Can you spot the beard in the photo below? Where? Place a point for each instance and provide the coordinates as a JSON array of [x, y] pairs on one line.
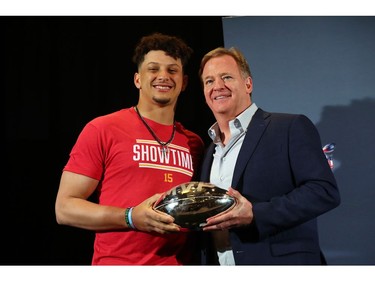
[[162, 101]]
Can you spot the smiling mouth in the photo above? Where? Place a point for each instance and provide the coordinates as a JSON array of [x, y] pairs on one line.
[[221, 97], [163, 87]]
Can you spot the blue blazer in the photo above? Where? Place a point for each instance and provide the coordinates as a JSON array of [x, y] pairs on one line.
[[282, 170]]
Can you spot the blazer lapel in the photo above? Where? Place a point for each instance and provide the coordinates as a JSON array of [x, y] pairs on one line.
[[255, 130], [207, 162]]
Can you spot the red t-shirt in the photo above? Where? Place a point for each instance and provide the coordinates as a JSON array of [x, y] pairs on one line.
[[119, 151]]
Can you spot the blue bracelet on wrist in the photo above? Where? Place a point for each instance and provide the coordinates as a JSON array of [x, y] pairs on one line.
[[130, 218]]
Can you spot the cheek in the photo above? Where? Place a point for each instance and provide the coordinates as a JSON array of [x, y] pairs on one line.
[[207, 95], [209, 101]]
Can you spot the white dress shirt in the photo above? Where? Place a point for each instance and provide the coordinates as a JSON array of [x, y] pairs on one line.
[[222, 169]]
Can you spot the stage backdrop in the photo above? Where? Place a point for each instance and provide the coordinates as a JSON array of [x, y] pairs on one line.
[[323, 67], [61, 72]]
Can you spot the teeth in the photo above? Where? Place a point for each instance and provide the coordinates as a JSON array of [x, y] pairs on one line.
[[220, 97], [162, 87]]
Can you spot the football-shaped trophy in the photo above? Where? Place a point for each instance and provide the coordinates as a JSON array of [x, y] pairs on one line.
[[193, 202]]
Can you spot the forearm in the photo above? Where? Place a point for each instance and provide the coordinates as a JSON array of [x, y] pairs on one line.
[[88, 215]]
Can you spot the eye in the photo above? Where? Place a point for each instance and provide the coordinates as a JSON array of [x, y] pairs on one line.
[[226, 78], [208, 82], [173, 70]]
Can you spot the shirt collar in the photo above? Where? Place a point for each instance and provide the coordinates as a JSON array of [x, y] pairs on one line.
[[240, 123]]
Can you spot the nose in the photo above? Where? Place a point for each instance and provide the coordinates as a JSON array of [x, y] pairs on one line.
[[163, 75], [218, 84]]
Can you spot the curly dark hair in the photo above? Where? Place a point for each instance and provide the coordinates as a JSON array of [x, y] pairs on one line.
[[171, 45]]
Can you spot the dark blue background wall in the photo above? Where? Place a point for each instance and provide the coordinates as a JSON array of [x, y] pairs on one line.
[[323, 67]]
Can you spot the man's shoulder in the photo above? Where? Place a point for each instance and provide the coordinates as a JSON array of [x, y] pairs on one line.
[[119, 114], [282, 115], [118, 118]]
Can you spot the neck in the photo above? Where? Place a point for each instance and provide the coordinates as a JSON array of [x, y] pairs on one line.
[[224, 136], [163, 144], [223, 125], [161, 114]]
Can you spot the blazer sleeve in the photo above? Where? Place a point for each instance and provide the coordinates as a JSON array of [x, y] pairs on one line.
[[310, 186]]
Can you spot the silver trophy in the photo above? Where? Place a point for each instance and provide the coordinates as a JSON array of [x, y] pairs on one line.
[[192, 203]]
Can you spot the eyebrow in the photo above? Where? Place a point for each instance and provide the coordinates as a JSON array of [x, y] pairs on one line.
[[171, 64], [220, 74]]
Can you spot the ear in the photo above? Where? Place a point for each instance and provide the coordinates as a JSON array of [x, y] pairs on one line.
[[184, 82], [137, 80], [249, 85]]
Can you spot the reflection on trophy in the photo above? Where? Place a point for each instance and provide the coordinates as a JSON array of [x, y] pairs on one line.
[[328, 151], [191, 203]]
